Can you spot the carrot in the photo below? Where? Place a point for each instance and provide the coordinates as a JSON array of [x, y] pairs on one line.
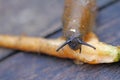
[[78, 20], [104, 53]]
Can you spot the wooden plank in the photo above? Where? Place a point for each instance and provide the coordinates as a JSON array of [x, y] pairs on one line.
[[103, 3], [108, 25], [24, 66], [4, 53], [31, 17], [41, 67]]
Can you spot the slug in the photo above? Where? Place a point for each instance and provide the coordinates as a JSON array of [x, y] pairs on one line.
[[78, 20]]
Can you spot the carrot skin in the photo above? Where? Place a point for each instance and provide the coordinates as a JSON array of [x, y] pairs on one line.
[[104, 53]]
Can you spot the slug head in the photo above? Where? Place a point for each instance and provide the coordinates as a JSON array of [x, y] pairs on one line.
[[75, 43]]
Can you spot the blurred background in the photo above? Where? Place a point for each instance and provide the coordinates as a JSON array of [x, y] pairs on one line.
[[34, 17], [30, 17]]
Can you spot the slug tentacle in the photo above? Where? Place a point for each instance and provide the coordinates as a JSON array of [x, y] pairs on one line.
[[84, 43], [63, 45], [75, 43]]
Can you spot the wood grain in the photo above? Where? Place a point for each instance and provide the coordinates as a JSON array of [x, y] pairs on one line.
[[41, 67], [33, 17], [108, 24], [26, 66]]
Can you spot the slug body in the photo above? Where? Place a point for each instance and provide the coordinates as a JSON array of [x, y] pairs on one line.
[[78, 20]]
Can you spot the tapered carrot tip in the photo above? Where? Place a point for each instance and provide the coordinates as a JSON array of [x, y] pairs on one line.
[[103, 53]]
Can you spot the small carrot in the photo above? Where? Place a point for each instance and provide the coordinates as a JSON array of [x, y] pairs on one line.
[[104, 53]]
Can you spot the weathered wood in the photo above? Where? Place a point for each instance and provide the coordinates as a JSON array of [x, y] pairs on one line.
[[41, 67], [4, 53], [31, 17], [102, 3], [23, 66], [108, 24]]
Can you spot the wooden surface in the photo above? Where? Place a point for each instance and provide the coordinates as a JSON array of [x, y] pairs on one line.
[[33, 18]]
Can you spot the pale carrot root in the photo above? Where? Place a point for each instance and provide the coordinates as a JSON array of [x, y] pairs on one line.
[[103, 54], [39, 45]]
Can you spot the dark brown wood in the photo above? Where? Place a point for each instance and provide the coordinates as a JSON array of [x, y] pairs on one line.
[[26, 66]]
